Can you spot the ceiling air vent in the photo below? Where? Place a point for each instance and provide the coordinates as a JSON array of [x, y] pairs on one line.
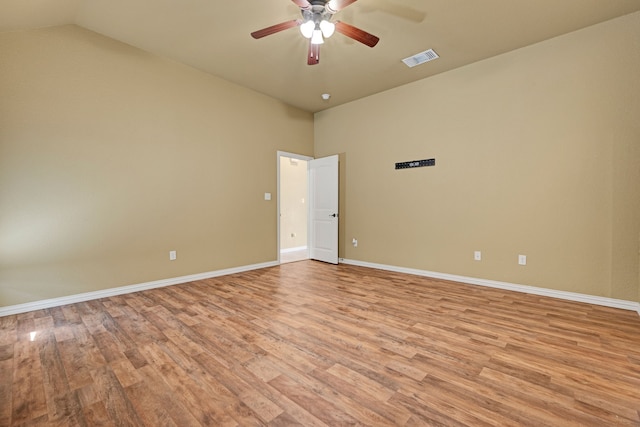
[[420, 58]]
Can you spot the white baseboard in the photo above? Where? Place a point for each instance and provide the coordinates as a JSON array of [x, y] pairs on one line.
[[296, 249], [55, 302], [571, 296]]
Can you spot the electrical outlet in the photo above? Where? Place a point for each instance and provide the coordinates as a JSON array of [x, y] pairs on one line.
[[522, 259], [354, 242], [477, 255], [173, 255]]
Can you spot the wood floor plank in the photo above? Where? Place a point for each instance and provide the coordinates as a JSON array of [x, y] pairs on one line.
[[434, 413], [237, 407], [455, 406], [61, 404], [318, 345], [312, 401], [79, 356], [206, 407], [362, 383], [8, 330], [292, 413], [96, 415], [6, 398], [366, 407], [114, 398], [28, 400], [150, 405]]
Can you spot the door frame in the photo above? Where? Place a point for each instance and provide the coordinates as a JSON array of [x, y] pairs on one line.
[[279, 155]]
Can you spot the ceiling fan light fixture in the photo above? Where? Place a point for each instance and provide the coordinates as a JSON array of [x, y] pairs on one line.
[[316, 26], [316, 38], [307, 29], [327, 28]]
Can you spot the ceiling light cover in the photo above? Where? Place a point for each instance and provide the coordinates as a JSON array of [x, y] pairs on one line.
[[316, 38], [307, 29], [327, 28]]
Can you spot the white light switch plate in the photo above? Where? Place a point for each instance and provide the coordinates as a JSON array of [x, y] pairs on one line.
[[267, 196]]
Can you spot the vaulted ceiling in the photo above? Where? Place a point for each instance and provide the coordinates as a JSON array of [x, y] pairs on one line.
[[213, 36]]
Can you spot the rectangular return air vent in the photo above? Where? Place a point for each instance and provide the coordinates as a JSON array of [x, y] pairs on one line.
[[421, 58]]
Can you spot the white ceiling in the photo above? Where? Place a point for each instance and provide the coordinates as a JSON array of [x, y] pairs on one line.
[[213, 36]]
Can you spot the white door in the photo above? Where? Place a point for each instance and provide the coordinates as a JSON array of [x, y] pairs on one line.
[[323, 209]]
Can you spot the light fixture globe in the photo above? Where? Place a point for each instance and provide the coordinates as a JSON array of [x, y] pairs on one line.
[[316, 38], [307, 29], [327, 28]]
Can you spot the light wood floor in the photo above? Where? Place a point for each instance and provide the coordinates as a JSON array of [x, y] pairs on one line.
[[314, 344]]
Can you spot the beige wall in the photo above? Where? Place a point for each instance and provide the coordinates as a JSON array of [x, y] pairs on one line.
[[111, 157], [538, 153], [293, 203]]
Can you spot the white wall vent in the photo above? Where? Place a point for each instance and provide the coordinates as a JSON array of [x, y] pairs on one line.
[[420, 58]]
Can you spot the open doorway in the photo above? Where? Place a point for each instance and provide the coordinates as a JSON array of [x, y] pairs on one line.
[[293, 210]]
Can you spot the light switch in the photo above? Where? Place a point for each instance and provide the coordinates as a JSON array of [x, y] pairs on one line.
[[267, 196]]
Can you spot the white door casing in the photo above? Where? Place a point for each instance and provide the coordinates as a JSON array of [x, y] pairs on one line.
[[279, 201], [323, 209]]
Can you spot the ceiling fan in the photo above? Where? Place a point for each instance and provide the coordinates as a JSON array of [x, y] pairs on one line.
[[316, 25]]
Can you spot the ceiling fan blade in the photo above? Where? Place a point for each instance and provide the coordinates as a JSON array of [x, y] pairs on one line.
[[357, 34], [302, 4], [275, 28], [334, 6], [313, 57]]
